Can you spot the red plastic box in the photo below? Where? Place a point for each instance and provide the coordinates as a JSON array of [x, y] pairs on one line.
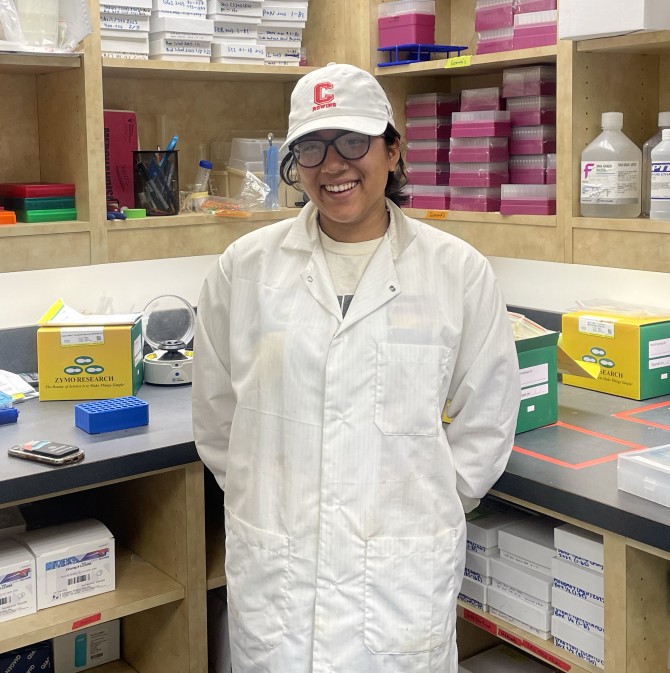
[[431, 105], [406, 29], [428, 174], [476, 124], [478, 199], [428, 128], [478, 149], [422, 151], [478, 174], [533, 140]]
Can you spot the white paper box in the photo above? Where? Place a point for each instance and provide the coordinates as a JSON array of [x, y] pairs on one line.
[[577, 581], [579, 612], [124, 22], [247, 32], [235, 50], [482, 529], [520, 613], [88, 647], [502, 659], [185, 8], [289, 37], [72, 561], [180, 48], [581, 643], [579, 546], [473, 593], [111, 44], [478, 567], [579, 20], [239, 8], [182, 25], [17, 581], [137, 4], [530, 543], [530, 583]]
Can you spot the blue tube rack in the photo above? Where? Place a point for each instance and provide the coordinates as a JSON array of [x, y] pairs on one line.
[[108, 415], [415, 53]]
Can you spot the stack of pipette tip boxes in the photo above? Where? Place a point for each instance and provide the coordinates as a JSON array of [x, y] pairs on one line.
[[39, 201]]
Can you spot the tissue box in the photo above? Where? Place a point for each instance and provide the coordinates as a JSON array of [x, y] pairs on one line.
[[633, 352]]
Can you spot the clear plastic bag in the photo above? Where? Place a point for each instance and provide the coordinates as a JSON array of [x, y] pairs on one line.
[[616, 307], [252, 197]]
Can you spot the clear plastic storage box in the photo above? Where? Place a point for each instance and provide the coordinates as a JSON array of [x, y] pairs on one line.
[[406, 22], [646, 473], [430, 197], [491, 14], [473, 100], [428, 128], [551, 169], [533, 139], [535, 29], [532, 110], [528, 199], [528, 169], [534, 80], [479, 199], [431, 104], [475, 124], [478, 149], [493, 41], [478, 174], [525, 6], [428, 174], [421, 151]]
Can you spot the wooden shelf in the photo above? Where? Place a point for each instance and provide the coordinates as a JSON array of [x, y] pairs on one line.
[[635, 43], [544, 650], [479, 65], [32, 63], [488, 218], [174, 70], [41, 228], [139, 586], [118, 666], [636, 224]]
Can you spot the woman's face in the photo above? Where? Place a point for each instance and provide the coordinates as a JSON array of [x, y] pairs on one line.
[[349, 193]]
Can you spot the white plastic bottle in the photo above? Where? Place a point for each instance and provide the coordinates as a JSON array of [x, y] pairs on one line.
[[660, 179], [663, 123], [610, 177]]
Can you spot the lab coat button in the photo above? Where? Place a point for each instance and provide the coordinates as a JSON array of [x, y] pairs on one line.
[[309, 279], [392, 288]]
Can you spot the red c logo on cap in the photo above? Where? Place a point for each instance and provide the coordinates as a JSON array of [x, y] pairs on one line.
[[321, 97]]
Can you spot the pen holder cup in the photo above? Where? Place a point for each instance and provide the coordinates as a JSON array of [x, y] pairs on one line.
[[156, 181]]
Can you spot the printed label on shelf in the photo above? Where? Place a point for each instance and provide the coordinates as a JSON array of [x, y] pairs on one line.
[[85, 621], [458, 61], [436, 214]]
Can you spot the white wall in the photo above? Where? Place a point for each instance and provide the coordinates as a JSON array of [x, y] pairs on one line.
[[129, 286]]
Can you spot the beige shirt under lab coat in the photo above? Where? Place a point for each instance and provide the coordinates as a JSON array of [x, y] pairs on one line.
[[344, 492]]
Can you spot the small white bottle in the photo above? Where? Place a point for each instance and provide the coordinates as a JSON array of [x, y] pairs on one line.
[[660, 179], [610, 177], [663, 123]]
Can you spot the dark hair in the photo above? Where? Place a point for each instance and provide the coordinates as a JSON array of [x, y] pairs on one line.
[[395, 183]]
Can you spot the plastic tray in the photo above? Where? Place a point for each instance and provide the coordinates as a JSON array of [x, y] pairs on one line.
[[43, 203], [109, 415], [23, 190], [413, 53], [646, 473], [54, 215]]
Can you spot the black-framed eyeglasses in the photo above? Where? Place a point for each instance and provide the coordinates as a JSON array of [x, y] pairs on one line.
[[349, 145]]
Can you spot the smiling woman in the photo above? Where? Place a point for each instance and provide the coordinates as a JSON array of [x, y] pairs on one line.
[[326, 348]]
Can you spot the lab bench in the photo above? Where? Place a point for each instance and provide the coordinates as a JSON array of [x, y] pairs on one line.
[[148, 486]]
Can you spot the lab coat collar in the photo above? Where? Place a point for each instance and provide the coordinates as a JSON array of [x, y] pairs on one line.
[[304, 233]]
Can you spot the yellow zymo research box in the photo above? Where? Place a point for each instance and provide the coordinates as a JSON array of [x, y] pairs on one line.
[[633, 352], [88, 357]]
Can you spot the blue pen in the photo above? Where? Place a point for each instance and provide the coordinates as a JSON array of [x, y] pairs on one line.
[[171, 145]]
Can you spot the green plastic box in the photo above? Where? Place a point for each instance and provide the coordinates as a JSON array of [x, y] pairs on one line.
[[54, 215]]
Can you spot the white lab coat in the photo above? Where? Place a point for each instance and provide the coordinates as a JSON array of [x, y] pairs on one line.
[[345, 533]]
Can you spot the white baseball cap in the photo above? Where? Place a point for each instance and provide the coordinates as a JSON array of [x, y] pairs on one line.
[[338, 96]]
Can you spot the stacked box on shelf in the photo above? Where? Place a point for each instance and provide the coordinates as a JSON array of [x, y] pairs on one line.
[[494, 25], [482, 527], [522, 576], [578, 624], [284, 16], [428, 132], [124, 28], [404, 22], [39, 201], [480, 131], [530, 98], [180, 38], [535, 29]]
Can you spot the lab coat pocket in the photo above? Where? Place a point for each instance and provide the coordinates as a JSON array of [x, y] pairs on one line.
[[257, 570], [407, 388], [410, 593]]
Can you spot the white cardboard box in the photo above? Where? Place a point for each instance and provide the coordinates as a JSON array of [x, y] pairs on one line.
[[17, 581], [578, 611], [579, 546], [502, 659], [478, 567], [524, 583], [72, 561], [519, 612], [529, 543], [474, 593], [88, 647], [581, 643], [579, 20], [578, 581], [482, 526]]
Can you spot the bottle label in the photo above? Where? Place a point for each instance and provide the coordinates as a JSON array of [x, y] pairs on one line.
[[660, 182], [610, 182]]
